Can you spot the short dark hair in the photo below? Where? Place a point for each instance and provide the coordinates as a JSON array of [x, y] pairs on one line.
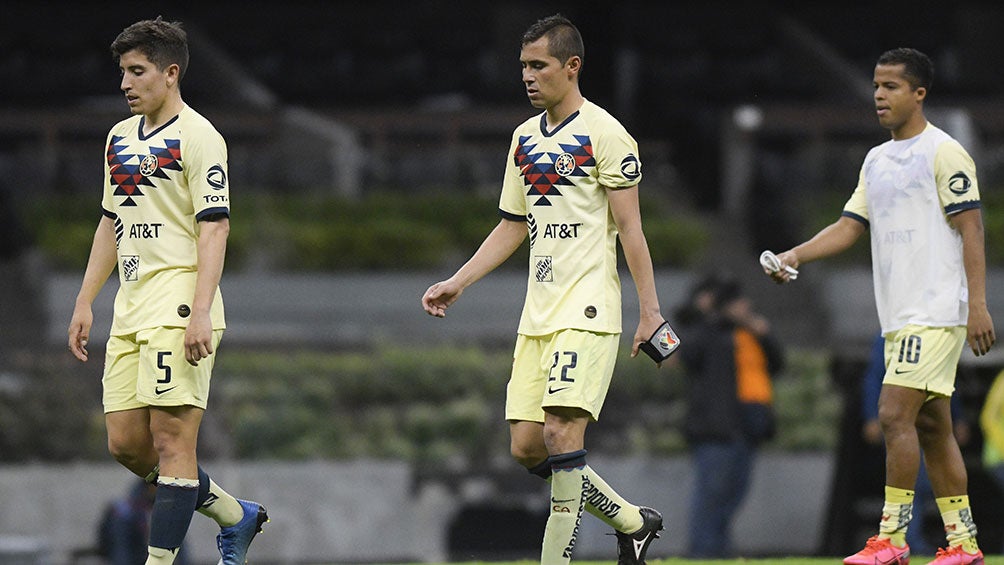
[[917, 67], [163, 43], [563, 39]]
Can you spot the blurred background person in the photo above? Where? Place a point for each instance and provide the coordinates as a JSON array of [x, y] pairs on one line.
[[729, 358], [700, 302], [992, 425], [124, 531]]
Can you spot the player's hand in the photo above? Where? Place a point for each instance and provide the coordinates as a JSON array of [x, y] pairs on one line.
[[441, 296], [79, 331], [782, 276], [980, 330], [198, 338], [646, 327]]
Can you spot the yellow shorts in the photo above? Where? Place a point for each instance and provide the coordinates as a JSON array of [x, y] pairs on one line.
[[148, 368], [924, 358], [569, 368]]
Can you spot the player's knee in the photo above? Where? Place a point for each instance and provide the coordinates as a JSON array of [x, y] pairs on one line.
[[526, 455], [169, 444], [894, 418], [125, 451], [931, 430], [117, 450], [522, 457]]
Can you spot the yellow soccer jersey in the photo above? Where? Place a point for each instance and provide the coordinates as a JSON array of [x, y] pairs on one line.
[[555, 181], [157, 187], [906, 191]]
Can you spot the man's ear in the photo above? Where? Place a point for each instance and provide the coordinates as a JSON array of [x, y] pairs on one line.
[[574, 65], [173, 73]]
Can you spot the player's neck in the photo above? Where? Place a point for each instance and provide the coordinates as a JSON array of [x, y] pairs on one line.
[[912, 128], [569, 105], [165, 113]]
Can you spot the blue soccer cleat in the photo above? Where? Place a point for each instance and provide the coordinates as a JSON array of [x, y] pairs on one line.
[[233, 541]]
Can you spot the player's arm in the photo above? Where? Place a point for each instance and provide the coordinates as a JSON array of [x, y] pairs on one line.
[[831, 240], [980, 329], [100, 265], [627, 215], [212, 248], [500, 244]]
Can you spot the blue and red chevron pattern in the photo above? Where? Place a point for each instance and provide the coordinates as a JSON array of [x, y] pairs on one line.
[[543, 172], [129, 171]]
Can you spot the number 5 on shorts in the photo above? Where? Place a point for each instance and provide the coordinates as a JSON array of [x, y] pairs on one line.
[[164, 366]]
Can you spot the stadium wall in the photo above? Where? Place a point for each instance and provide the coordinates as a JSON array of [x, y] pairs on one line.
[[373, 511]]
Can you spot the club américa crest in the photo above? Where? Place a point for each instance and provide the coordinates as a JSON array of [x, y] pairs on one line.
[[564, 165], [148, 166]]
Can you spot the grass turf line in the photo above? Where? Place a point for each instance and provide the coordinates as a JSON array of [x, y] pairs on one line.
[[919, 559]]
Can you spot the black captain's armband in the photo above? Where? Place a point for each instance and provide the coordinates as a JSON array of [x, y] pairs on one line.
[[662, 344]]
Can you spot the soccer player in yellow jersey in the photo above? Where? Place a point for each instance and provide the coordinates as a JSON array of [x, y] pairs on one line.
[[165, 225], [571, 183], [917, 193]]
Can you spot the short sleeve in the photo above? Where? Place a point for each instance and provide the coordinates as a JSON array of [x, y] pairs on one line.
[[512, 202], [207, 174], [107, 204], [617, 161], [857, 205], [955, 176]]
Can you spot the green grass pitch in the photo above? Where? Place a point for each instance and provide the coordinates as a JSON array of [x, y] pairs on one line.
[[918, 559]]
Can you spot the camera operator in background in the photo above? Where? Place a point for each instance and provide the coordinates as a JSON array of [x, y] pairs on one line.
[[729, 361]]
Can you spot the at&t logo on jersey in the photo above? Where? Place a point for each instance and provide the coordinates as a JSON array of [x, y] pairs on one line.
[[145, 231], [562, 231]]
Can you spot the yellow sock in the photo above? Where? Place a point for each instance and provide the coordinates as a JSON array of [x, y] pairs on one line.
[[610, 507], [896, 515], [161, 556], [562, 526], [603, 502], [221, 506], [960, 529], [568, 487]]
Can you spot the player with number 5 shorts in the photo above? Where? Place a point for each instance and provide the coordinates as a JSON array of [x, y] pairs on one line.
[[164, 226]]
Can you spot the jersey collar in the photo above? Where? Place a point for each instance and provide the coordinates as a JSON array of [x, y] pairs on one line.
[[142, 120], [543, 123]]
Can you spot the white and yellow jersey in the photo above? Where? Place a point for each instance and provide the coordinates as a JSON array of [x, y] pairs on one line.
[[906, 192], [556, 181], [157, 188]]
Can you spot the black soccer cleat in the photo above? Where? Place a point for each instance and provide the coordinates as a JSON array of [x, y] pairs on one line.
[[631, 548]]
